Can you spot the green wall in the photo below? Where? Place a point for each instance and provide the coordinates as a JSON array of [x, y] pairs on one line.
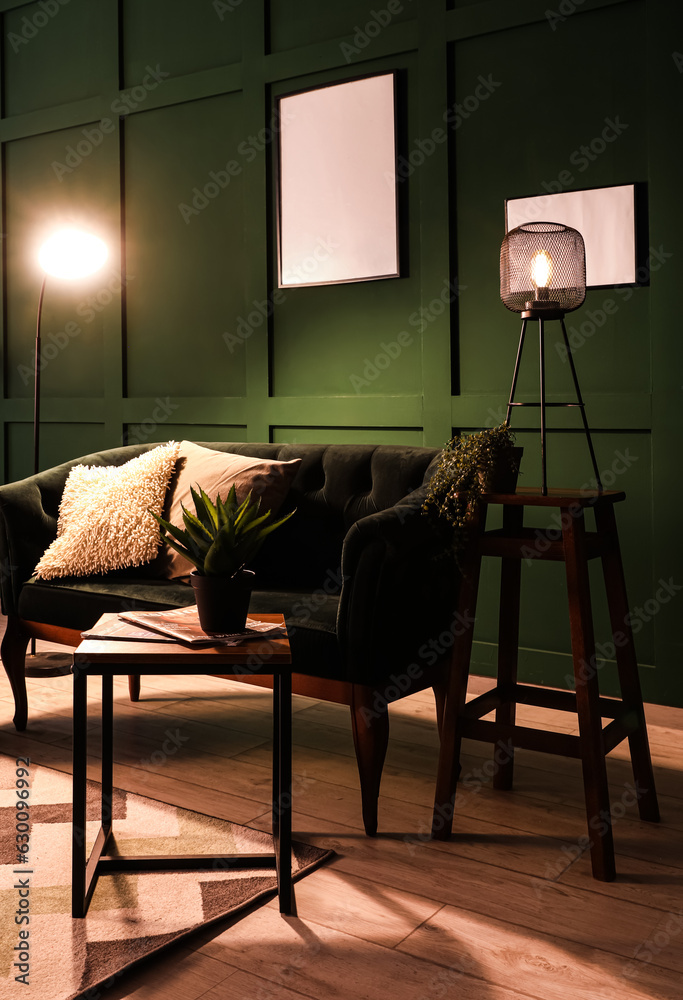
[[117, 114]]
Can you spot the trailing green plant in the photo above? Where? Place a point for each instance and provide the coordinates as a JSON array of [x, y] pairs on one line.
[[222, 537], [465, 471]]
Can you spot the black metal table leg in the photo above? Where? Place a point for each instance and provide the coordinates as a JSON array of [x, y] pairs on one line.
[[276, 762], [80, 765], [107, 752], [282, 788]]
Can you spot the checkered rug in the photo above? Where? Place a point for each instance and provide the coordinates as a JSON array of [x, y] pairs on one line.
[[44, 954]]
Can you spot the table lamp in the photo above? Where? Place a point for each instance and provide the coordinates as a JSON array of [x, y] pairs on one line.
[[67, 254], [542, 277]]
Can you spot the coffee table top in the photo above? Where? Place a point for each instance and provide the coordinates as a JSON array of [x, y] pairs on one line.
[[258, 655]]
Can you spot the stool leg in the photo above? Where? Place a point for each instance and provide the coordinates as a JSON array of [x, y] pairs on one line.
[[627, 664], [508, 643], [449, 753], [587, 696], [440, 689]]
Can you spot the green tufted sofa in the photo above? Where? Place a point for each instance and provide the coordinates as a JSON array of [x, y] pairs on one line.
[[360, 574]]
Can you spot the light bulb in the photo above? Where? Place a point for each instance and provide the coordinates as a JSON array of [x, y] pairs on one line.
[[541, 270], [72, 253]]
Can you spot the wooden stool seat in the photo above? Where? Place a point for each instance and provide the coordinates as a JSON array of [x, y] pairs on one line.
[[573, 545]]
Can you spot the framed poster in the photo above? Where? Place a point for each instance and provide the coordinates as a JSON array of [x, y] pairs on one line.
[[605, 217], [337, 192]]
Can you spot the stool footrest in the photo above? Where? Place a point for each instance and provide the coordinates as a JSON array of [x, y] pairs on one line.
[[535, 543], [539, 697], [547, 741], [523, 737], [484, 703], [620, 729]]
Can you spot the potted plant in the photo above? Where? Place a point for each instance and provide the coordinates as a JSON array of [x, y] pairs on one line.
[[470, 465], [219, 540]]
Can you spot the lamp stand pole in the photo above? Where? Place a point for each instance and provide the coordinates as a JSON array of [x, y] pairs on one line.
[[36, 384], [52, 664], [542, 316]]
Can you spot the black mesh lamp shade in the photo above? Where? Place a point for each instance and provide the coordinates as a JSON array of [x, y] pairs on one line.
[[542, 277], [543, 267]]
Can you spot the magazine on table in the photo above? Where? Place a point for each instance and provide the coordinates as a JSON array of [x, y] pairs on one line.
[[182, 625], [113, 628]]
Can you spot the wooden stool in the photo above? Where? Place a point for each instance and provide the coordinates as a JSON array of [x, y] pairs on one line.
[[570, 543]]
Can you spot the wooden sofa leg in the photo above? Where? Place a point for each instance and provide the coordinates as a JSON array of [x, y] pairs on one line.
[[370, 722], [13, 652], [134, 687]]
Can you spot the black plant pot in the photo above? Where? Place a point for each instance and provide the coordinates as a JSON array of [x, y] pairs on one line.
[[223, 602], [503, 478]]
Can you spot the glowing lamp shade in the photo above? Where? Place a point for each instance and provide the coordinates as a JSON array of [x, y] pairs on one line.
[[543, 266], [72, 253], [68, 253]]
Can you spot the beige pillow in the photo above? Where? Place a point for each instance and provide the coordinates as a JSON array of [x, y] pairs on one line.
[[215, 472], [104, 522]]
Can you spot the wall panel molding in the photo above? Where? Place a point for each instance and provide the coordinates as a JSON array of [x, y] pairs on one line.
[[500, 15]]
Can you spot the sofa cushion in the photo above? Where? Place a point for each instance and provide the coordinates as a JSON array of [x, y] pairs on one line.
[[104, 521], [215, 472], [77, 602]]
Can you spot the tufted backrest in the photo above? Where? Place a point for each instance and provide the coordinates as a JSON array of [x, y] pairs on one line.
[[335, 486], [346, 481]]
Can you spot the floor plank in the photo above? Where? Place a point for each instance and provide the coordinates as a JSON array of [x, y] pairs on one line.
[[330, 965], [245, 985], [543, 965], [184, 973]]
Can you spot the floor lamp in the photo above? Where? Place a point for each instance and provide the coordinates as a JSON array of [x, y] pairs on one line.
[[543, 276], [67, 254]]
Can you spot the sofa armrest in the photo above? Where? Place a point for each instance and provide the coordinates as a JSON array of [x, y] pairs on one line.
[[28, 518], [28, 523], [399, 594]]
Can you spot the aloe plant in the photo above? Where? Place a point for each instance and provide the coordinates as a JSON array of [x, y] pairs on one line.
[[222, 537]]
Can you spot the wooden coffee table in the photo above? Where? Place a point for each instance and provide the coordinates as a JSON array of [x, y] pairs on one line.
[[107, 658]]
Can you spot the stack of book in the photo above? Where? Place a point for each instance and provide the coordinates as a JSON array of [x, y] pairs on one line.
[[176, 625]]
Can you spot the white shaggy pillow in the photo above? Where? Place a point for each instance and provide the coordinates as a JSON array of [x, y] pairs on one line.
[[104, 522]]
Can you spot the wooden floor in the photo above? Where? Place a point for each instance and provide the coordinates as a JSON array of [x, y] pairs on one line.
[[504, 911]]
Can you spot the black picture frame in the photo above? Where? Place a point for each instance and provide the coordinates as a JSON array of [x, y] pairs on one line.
[[337, 187], [611, 219]]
